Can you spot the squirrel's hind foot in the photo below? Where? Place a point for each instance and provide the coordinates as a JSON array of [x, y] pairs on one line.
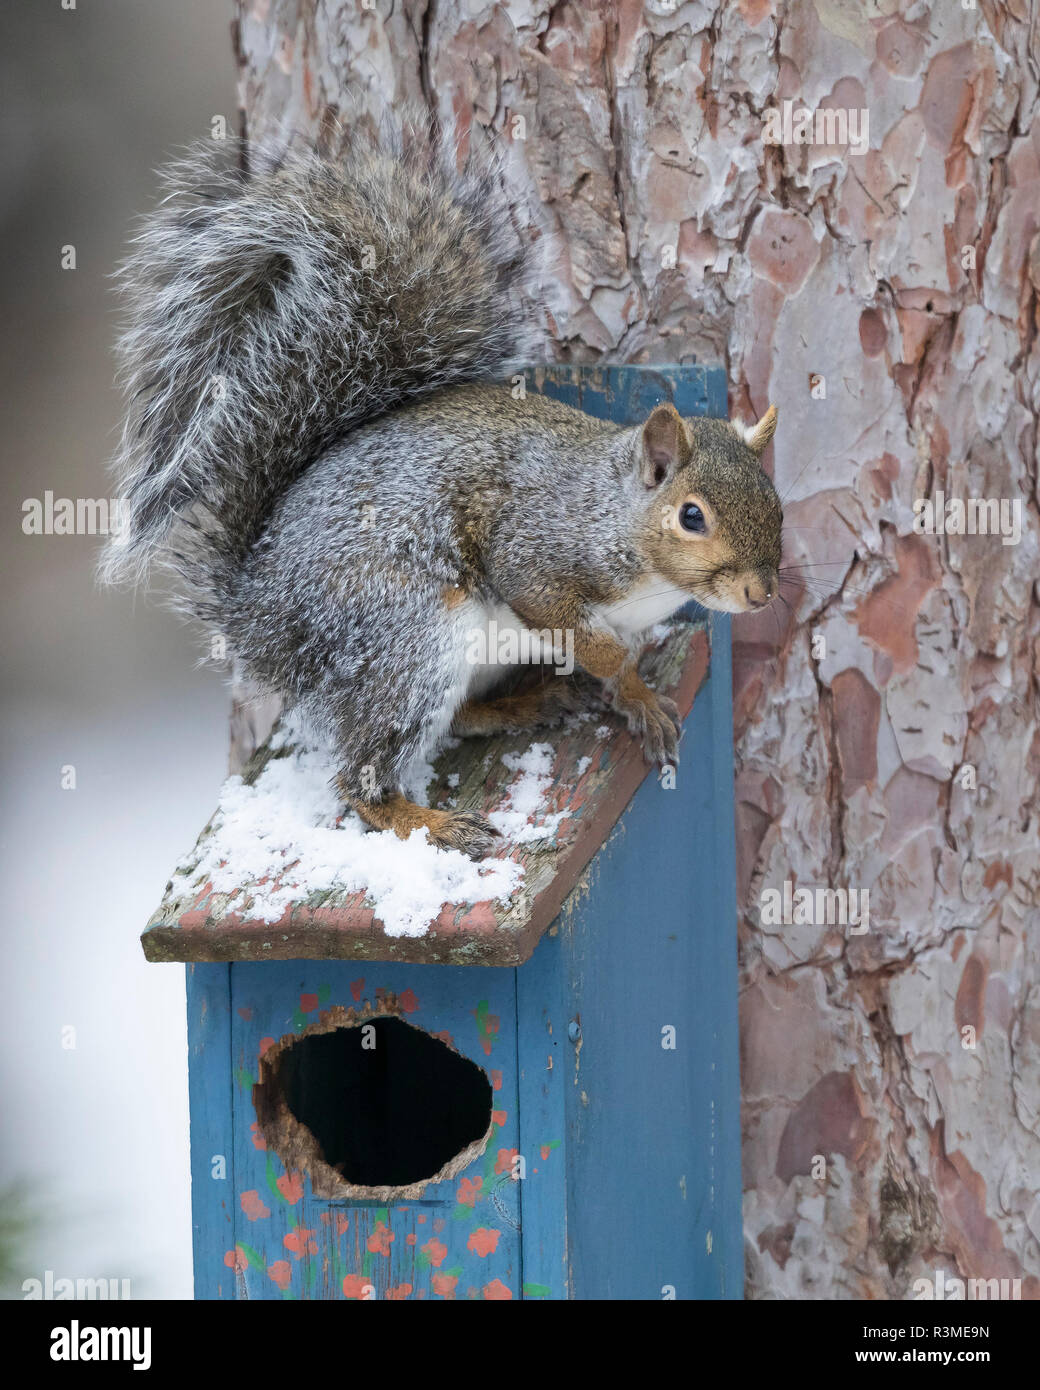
[[467, 831], [547, 702]]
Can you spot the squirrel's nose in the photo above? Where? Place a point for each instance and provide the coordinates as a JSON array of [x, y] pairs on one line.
[[758, 591]]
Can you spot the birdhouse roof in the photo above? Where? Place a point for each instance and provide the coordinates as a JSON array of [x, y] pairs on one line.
[[260, 886]]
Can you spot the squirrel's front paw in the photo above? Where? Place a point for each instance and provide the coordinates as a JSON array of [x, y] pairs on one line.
[[655, 720], [466, 831]]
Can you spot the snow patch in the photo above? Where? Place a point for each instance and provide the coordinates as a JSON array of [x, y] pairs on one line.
[[527, 795], [278, 841]]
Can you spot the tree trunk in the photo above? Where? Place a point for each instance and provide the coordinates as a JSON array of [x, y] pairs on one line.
[[886, 726]]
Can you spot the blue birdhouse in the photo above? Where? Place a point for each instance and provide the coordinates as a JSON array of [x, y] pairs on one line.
[[526, 1088]]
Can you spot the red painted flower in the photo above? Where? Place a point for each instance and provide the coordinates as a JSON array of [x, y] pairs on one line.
[[436, 1250], [505, 1160], [259, 1142], [444, 1285], [468, 1190], [357, 1286], [253, 1206], [398, 1291], [308, 1003], [498, 1117], [280, 1272], [300, 1242], [408, 1001], [291, 1187], [356, 986], [378, 1242], [496, 1080], [265, 1043], [483, 1241], [236, 1259], [496, 1290]]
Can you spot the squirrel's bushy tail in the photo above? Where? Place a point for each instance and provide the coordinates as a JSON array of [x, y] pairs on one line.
[[271, 311]]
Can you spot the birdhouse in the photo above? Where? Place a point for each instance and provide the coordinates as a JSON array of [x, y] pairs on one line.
[[420, 1077]]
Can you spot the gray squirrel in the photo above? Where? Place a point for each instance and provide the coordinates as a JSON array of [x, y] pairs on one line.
[[314, 446]]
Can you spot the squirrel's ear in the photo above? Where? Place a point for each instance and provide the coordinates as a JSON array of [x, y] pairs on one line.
[[758, 436], [665, 445]]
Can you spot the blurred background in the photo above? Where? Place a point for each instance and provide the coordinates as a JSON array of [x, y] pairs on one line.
[[94, 1064]]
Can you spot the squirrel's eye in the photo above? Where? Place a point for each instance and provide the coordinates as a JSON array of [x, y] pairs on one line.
[[691, 518]]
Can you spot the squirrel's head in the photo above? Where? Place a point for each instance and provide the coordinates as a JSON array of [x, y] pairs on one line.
[[713, 519]]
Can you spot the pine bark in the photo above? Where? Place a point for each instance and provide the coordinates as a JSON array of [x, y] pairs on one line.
[[886, 715]]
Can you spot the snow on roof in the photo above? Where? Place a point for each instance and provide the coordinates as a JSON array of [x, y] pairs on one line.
[[283, 871], [288, 836]]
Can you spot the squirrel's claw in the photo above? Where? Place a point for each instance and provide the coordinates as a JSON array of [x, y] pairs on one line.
[[672, 710], [661, 738], [673, 730], [658, 725]]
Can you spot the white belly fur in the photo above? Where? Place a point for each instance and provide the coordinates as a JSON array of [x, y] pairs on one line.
[[499, 625], [473, 635], [650, 602]]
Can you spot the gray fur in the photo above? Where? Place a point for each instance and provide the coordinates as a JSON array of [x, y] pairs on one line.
[[468, 489], [268, 314], [353, 504]]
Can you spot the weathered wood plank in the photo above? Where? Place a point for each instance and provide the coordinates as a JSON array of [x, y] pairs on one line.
[[214, 1191], [650, 957], [630, 393], [545, 1004]]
